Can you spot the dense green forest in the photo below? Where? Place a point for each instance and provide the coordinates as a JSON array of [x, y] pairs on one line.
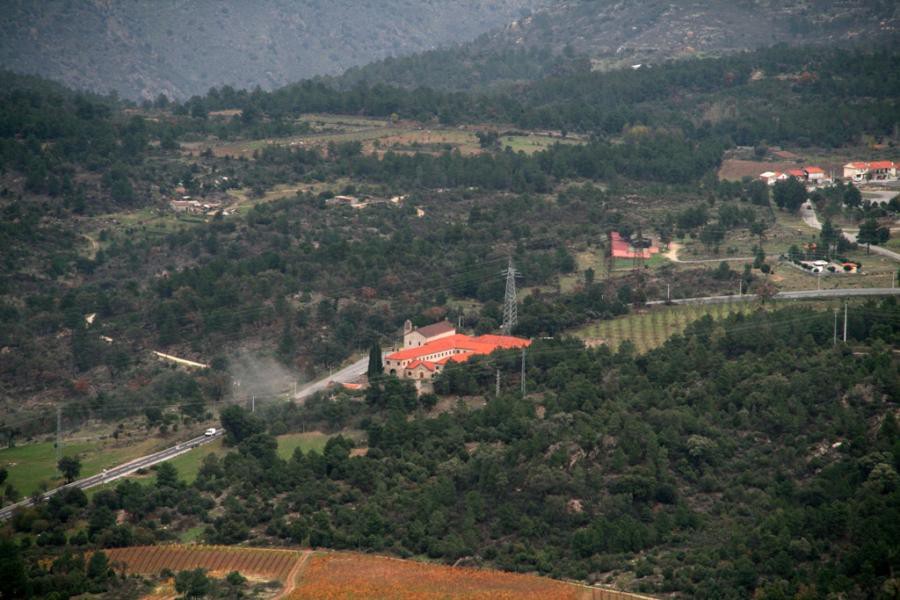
[[748, 457], [780, 95]]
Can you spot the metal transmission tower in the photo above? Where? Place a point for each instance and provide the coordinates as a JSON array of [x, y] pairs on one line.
[[510, 313]]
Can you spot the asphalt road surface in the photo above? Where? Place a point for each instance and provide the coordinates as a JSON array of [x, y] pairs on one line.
[[122, 470], [345, 375], [808, 214], [801, 295]]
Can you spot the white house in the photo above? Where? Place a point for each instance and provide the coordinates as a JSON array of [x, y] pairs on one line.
[[771, 177], [814, 174]]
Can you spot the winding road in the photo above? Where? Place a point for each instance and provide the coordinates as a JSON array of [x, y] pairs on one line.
[[809, 216]]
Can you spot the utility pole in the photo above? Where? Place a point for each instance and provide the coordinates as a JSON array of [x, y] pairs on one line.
[[834, 340], [523, 372], [845, 321], [253, 403], [510, 312], [668, 293], [58, 433], [497, 391]]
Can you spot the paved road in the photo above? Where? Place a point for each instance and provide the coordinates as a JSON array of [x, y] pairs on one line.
[[345, 375], [808, 214], [122, 470], [799, 295]]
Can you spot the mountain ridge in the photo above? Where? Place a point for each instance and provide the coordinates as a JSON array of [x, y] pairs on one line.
[[605, 35], [180, 49]]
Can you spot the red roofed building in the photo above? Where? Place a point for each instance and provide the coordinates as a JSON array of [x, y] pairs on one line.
[[425, 361], [622, 248], [814, 174], [882, 169], [878, 169], [798, 173]]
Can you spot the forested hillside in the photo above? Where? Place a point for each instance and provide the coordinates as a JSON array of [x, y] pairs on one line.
[[801, 96], [143, 49], [267, 239], [747, 458], [81, 172], [604, 35]]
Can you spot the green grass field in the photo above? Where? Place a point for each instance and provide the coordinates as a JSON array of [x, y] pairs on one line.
[[314, 440], [189, 463], [31, 465]]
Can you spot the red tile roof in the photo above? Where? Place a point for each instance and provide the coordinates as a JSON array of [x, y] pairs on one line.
[[881, 164], [796, 173], [813, 170], [424, 363], [460, 345]]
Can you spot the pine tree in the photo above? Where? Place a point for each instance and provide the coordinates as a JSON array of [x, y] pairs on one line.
[[376, 368]]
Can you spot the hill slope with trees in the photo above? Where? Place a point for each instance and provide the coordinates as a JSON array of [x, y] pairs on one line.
[[570, 36], [183, 48]]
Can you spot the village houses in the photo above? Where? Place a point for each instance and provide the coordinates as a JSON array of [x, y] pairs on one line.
[[809, 174]]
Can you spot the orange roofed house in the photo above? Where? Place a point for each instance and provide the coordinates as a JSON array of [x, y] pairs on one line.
[[426, 351], [879, 169]]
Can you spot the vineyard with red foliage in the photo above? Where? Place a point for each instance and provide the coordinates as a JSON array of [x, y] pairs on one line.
[[258, 562], [345, 575], [340, 576]]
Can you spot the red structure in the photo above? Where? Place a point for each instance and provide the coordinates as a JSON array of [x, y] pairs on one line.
[[622, 248]]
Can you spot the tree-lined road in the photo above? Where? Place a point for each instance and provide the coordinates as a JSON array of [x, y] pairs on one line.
[[120, 471]]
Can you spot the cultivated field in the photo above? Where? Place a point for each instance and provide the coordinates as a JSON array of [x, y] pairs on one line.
[[651, 327], [309, 575], [275, 564], [345, 575]]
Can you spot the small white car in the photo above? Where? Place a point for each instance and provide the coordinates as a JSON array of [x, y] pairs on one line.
[[210, 431]]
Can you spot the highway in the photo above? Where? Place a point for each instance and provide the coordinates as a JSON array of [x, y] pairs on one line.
[[800, 295], [122, 470]]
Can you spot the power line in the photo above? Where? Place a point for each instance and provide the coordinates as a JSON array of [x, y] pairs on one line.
[[510, 309]]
